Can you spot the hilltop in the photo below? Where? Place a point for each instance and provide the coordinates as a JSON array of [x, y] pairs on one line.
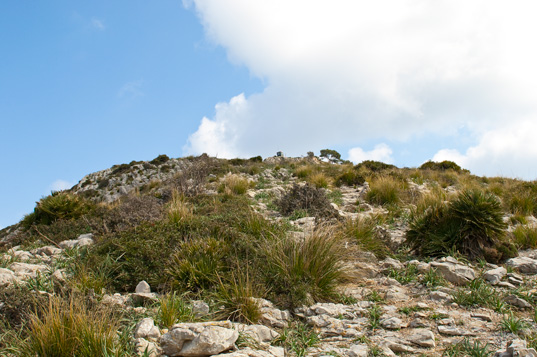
[[282, 256]]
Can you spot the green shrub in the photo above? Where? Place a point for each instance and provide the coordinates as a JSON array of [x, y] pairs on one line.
[[59, 205], [197, 264], [470, 223], [350, 178], [441, 166], [303, 271], [159, 160], [306, 197], [374, 166]]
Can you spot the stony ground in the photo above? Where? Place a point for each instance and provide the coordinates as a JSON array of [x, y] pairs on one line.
[[393, 307]]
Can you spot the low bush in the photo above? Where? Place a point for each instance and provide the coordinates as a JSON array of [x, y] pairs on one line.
[[440, 166], [350, 178], [470, 223], [159, 160], [306, 197], [374, 166], [60, 205]]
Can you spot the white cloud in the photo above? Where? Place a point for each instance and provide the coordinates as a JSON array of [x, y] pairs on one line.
[[60, 185], [347, 71], [97, 24], [509, 150], [381, 152], [131, 90]]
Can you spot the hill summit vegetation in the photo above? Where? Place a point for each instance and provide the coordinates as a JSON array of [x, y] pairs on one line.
[[226, 231]]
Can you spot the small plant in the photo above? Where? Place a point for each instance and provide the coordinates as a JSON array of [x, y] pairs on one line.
[[407, 310], [513, 324], [298, 338], [467, 348], [350, 178], [479, 293], [438, 316], [375, 313], [374, 296], [172, 309], [335, 196], [432, 279], [406, 275]]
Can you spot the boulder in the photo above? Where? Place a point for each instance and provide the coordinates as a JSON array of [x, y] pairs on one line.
[[391, 323], [494, 276], [143, 287], [7, 277], [516, 348], [518, 302], [210, 341], [258, 333], [200, 308], [25, 270], [146, 329], [422, 338], [359, 350], [523, 264], [454, 271]]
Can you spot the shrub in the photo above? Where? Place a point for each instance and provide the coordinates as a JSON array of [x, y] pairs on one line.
[[470, 223], [233, 185], [350, 178], [197, 264], [306, 270], [440, 166], [131, 211], [306, 197], [159, 160], [384, 190], [59, 205], [374, 166]]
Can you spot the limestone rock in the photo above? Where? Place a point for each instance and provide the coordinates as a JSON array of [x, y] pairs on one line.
[[210, 341], [259, 333], [422, 338], [516, 301], [143, 288], [360, 350], [200, 308], [25, 270], [523, 264], [517, 348], [272, 316], [391, 323], [454, 271], [146, 348], [7, 277], [146, 329], [494, 276]]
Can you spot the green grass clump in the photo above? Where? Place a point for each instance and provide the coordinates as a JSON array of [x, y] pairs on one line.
[[468, 224], [234, 296], [405, 275], [362, 232], [72, 328], [234, 185], [297, 338], [465, 348], [384, 190], [299, 271], [172, 309], [525, 237], [478, 293], [513, 324]]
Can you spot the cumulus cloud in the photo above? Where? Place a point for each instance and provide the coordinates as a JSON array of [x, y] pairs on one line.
[[60, 185], [346, 72], [381, 152], [506, 151]]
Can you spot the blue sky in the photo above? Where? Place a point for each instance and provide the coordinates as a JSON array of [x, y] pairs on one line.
[[86, 85]]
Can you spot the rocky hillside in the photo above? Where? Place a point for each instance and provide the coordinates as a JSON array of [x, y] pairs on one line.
[[283, 257]]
